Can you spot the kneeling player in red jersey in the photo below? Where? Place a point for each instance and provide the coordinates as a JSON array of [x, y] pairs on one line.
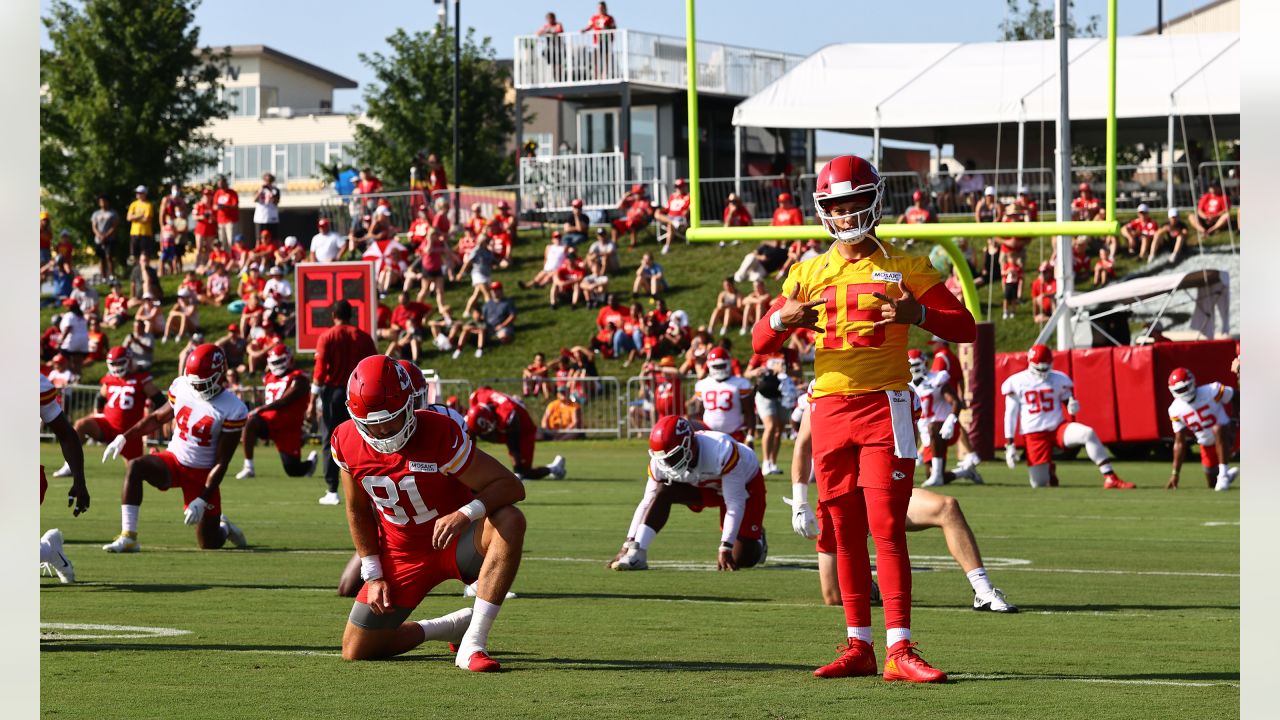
[[125, 390], [288, 394], [500, 418], [1201, 411], [444, 510], [700, 469]]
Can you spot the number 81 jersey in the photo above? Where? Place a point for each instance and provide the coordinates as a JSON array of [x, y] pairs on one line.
[[413, 487], [198, 424]]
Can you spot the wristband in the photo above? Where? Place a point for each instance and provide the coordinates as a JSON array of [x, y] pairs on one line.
[[474, 510], [922, 314], [315, 389], [775, 322], [370, 568], [726, 546]]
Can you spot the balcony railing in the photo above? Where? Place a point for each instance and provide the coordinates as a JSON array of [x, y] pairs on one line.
[[615, 56]]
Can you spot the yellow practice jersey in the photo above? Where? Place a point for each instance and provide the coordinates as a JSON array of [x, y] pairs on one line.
[[853, 357]]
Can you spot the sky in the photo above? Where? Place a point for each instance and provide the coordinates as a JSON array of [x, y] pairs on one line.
[[331, 33]]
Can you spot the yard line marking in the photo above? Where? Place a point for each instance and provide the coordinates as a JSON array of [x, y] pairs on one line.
[[252, 651], [106, 632], [1167, 573], [1108, 681], [1220, 524]]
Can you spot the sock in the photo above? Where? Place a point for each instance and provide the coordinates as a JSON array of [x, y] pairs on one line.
[[978, 579], [893, 636], [937, 467], [860, 633], [248, 464], [644, 536], [1223, 470], [445, 626], [129, 519], [476, 638], [1104, 467]]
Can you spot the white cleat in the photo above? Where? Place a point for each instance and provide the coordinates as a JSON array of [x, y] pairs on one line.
[[469, 591], [64, 471], [62, 566], [245, 473], [479, 353], [123, 544], [933, 482], [637, 558], [314, 462], [994, 602], [330, 498], [1224, 483], [969, 473], [234, 534], [557, 467]]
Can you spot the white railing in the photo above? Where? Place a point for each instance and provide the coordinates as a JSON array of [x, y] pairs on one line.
[[552, 182], [599, 398], [342, 210], [630, 56]]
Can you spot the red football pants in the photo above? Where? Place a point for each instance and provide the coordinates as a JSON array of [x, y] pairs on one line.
[[884, 513]]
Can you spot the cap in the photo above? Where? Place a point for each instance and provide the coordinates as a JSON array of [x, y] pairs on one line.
[[291, 240], [265, 233], [148, 296], [1084, 186], [59, 358], [44, 214], [916, 196], [599, 231], [232, 327], [324, 222], [239, 238], [504, 205], [140, 189], [382, 210], [78, 282], [784, 197], [495, 285], [1024, 190], [207, 191], [989, 191], [383, 202], [114, 281], [65, 233], [577, 202], [667, 362], [1173, 212], [555, 233], [680, 182], [276, 269], [69, 302], [638, 188], [1142, 207]]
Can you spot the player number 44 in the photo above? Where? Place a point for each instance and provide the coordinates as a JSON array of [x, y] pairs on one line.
[[388, 501], [200, 432]]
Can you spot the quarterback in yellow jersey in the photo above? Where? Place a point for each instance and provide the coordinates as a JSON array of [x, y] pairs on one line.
[[858, 298]]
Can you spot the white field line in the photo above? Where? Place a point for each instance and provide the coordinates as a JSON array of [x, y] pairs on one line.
[[1221, 524], [1108, 681], [105, 632]]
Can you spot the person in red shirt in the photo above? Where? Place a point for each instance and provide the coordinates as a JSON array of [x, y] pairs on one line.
[[404, 311], [338, 351], [1011, 280], [437, 179], [1140, 231], [919, 212], [252, 284], [736, 213], [601, 23], [115, 307], [568, 279], [1087, 206], [1104, 268], [534, 377], [636, 214], [500, 241], [206, 229], [1013, 248], [1029, 206], [787, 212], [279, 419], [368, 184], [226, 204], [477, 222], [501, 418], [420, 227], [1213, 212], [1043, 292], [551, 27], [264, 253], [675, 215]]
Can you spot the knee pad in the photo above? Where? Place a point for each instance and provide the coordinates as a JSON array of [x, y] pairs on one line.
[[1040, 475]]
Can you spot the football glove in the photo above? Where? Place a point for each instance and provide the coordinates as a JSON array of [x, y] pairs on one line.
[[113, 448], [1011, 456], [922, 426], [1073, 406], [803, 521], [949, 427], [195, 511]]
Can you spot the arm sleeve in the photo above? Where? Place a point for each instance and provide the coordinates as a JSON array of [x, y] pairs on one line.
[[946, 317], [650, 492], [1011, 409], [319, 376], [734, 487]]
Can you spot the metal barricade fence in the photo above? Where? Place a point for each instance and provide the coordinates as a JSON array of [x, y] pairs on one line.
[[551, 183], [1038, 181], [343, 210], [758, 192], [1226, 173], [1137, 184], [460, 388], [599, 398]]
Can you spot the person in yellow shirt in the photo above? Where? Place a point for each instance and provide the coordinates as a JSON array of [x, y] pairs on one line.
[[141, 215], [562, 420], [859, 298]]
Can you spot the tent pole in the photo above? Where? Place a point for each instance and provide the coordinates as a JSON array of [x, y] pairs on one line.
[[1022, 140], [737, 160], [1064, 272], [1168, 165]]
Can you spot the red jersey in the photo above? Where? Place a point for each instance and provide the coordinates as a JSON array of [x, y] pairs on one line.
[[1011, 273], [1085, 208], [916, 216], [413, 309], [787, 216], [477, 223], [419, 230], [619, 317], [1031, 208], [601, 22], [227, 203], [500, 245], [740, 217], [125, 404], [1141, 227], [365, 187], [205, 225], [411, 488], [570, 272], [1044, 292], [678, 204], [668, 395], [1211, 206], [274, 387], [502, 404], [115, 305]]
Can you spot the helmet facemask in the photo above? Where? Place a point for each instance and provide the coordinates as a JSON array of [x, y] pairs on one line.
[[1185, 389], [1040, 370], [393, 443], [118, 368], [207, 388], [918, 369], [673, 465], [719, 370], [857, 221], [278, 365]]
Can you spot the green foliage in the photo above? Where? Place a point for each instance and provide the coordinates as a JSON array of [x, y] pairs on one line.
[[128, 97], [410, 106], [1096, 156], [1035, 22]]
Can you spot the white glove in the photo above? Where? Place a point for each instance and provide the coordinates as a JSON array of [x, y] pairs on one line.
[[803, 521], [113, 448], [1011, 456], [1073, 406], [195, 511], [922, 426], [949, 427]]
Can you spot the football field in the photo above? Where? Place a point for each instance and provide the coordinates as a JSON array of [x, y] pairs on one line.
[[1131, 608]]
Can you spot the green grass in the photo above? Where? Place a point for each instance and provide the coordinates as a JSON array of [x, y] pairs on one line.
[[1131, 609], [694, 272]]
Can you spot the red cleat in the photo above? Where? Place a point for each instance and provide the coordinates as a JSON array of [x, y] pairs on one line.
[[904, 664], [857, 659], [1113, 482], [453, 647], [481, 662]]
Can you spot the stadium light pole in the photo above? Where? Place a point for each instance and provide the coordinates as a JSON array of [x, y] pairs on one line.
[[691, 65]]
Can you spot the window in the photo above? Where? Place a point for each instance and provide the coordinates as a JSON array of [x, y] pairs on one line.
[[597, 131], [244, 101]]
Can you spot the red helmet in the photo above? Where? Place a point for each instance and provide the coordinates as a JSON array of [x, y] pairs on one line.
[[378, 392], [917, 363], [673, 448], [119, 361], [279, 359], [917, 196], [1182, 383], [843, 178], [419, 382], [577, 202], [481, 420], [204, 369], [719, 365], [1040, 360]]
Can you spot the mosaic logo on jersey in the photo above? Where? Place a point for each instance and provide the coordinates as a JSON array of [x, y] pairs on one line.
[[426, 467], [886, 276]]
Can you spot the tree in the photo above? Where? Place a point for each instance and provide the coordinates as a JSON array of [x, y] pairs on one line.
[[1037, 23], [410, 108], [128, 94]]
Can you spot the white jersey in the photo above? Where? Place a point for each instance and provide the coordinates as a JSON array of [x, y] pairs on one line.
[[1207, 410], [724, 465], [50, 405], [933, 406], [198, 424], [722, 402], [1040, 400]]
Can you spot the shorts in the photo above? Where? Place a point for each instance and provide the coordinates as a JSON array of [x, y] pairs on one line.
[[478, 280], [1209, 456], [108, 432], [863, 441], [752, 526], [168, 252], [1040, 445], [191, 480], [412, 571], [769, 407], [623, 225], [288, 440], [1011, 291], [102, 250], [142, 244], [433, 272]]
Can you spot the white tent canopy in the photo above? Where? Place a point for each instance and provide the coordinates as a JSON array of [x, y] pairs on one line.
[[869, 86]]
